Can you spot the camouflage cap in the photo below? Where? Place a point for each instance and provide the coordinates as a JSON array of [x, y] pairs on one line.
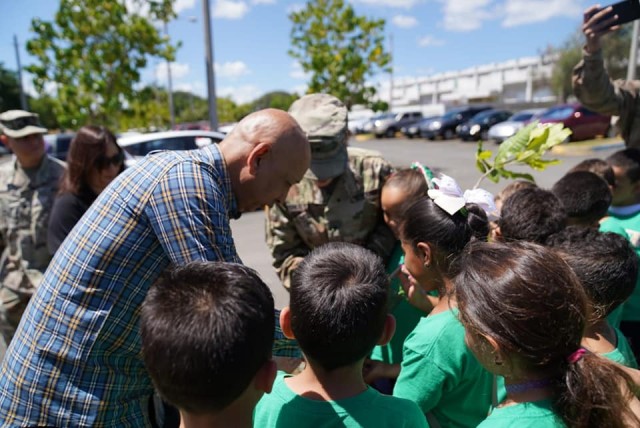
[[20, 123], [323, 118]]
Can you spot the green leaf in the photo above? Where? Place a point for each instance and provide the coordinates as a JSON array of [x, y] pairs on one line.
[[514, 145]]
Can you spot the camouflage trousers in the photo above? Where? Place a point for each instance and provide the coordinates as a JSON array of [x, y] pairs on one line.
[[12, 306]]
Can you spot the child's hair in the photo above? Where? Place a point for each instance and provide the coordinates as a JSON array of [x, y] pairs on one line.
[[597, 166], [207, 328], [628, 160], [512, 188], [425, 221], [338, 304], [526, 298], [413, 184], [584, 196], [531, 215], [605, 263]]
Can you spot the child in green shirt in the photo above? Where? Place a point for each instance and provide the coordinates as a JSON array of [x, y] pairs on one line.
[[338, 312], [438, 371], [524, 312], [607, 267], [207, 332]]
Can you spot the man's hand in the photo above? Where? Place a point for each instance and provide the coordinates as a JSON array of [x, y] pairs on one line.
[[594, 26], [374, 370]]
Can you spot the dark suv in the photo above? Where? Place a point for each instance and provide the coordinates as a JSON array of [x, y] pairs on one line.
[[446, 127], [57, 145]]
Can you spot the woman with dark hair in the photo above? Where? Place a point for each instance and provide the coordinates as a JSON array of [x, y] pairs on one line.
[[93, 161], [438, 372], [524, 312]]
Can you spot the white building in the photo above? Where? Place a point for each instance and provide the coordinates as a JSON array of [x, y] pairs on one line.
[[514, 84]]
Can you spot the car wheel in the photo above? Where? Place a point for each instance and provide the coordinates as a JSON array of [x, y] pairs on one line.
[[448, 134], [484, 135], [379, 135], [390, 133]]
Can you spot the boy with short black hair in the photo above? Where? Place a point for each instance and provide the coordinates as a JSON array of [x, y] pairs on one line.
[[584, 196], [530, 214], [599, 167], [338, 313], [207, 330], [607, 267], [624, 219]]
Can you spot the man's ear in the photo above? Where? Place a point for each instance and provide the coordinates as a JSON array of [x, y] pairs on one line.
[[5, 141], [285, 323], [497, 234], [256, 155], [425, 253], [388, 331], [263, 381]]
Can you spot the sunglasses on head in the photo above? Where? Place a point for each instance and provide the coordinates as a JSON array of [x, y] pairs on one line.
[[103, 161], [20, 122]]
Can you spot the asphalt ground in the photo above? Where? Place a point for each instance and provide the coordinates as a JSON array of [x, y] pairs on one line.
[[454, 157]]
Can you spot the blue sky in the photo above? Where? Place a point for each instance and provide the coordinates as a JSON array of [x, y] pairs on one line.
[[251, 37]]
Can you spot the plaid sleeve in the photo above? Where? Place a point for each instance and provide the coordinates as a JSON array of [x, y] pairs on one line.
[[187, 212], [282, 346]]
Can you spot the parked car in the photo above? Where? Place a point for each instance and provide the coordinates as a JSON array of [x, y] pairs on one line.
[[503, 130], [356, 126], [140, 145], [477, 128], [367, 127], [57, 145], [413, 130], [584, 123], [388, 126], [446, 127]]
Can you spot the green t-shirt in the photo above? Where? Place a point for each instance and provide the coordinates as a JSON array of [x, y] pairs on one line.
[[283, 408], [629, 227], [441, 374], [537, 414], [407, 316], [623, 353]]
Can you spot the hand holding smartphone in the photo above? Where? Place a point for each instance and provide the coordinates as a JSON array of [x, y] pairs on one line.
[[598, 21], [626, 11]]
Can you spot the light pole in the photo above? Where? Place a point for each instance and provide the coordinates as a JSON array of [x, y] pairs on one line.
[[633, 54], [23, 98], [211, 85]]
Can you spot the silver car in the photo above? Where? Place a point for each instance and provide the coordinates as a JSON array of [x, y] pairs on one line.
[[503, 130]]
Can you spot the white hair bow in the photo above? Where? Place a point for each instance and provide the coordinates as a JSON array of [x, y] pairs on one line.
[[450, 197]]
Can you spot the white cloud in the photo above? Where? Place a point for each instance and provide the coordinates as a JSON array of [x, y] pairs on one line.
[[197, 87], [232, 69], [429, 41], [519, 12], [299, 89], [240, 94], [263, 1], [465, 15], [178, 70], [408, 4], [230, 9], [294, 8], [297, 72], [404, 21], [181, 5]]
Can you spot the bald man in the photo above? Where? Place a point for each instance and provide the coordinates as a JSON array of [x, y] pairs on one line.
[[75, 359]]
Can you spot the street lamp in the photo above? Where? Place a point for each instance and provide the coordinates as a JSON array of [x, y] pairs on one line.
[[211, 85]]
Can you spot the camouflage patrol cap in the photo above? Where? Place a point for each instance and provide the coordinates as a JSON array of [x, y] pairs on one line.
[[20, 123], [323, 118]]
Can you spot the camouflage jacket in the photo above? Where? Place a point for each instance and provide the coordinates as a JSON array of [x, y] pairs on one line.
[[596, 91], [351, 213], [25, 206]]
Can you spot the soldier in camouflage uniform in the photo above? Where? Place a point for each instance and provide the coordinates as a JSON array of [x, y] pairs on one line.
[[28, 185], [339, 197]]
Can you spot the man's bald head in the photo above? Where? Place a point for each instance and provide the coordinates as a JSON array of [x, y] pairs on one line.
[[266, 153]]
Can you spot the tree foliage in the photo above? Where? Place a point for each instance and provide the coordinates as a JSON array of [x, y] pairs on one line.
[[615, 50], [92, 54], [340, 49], [9, 89]]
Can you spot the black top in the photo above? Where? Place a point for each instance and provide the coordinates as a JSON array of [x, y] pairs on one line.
[[67, 209]]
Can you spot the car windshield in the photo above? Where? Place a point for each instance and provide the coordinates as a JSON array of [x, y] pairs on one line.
[[451, 115], [384, 116], [482, 117], [557, 112], [521, 117]]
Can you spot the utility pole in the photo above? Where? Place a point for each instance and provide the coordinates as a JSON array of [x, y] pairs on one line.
[[211, 85], [391, 73], [172, 113], [23, 98], [633, 54]]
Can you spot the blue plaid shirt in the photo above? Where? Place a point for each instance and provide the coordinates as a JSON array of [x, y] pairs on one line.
[[75, 360]]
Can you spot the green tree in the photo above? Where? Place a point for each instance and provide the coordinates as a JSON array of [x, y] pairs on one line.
[[340, 49], [9, 89], [277, 99], [93, 52], [615, 50], [46, 106]]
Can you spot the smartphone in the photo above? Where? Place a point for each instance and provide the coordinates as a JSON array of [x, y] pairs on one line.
[[627, 11]]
